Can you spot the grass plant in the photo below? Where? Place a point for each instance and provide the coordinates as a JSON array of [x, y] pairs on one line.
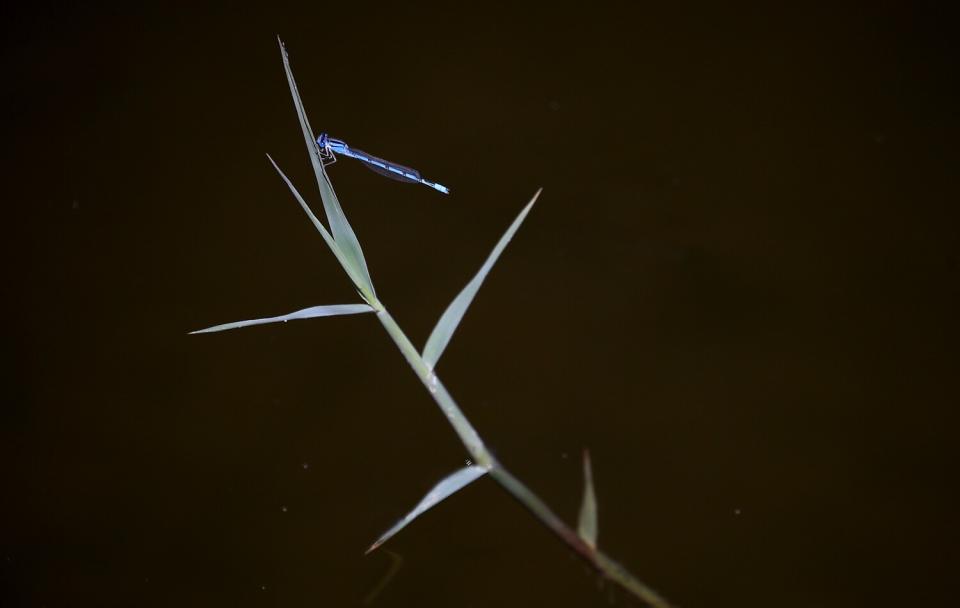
[[345, 246]]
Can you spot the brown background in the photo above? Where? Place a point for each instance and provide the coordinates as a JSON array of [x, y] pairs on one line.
[[739, 290]]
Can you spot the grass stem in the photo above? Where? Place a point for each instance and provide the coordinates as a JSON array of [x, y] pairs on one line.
[[607, 567]]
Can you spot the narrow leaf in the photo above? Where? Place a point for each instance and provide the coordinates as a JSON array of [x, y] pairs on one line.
[[440, 491], [350, 269], [342, 232], [307, 313], [451, 318], [587, 526]]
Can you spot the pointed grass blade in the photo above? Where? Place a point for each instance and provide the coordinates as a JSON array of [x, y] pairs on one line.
[[313, 312], [342, 232], [350, 269], [451, 318], [587, 525], [439, 492]]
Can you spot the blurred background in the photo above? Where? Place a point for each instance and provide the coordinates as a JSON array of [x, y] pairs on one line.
[[738, 290]]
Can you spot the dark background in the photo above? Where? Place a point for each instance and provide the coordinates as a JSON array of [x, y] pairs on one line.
[[739, 290]]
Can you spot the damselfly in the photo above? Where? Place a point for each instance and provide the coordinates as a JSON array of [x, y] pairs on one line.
[[330, 147]]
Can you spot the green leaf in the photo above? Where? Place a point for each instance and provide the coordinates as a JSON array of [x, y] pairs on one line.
[[451, 318], [334, 246], [307, 313], [445, 488], [342, 232], [587, 526]]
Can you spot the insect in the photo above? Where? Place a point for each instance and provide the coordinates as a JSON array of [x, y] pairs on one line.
[[330, 147]]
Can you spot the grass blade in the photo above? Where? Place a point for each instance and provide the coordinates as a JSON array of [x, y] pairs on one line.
[[451, 318], [445, 488], [307, 313], [342, 232], [357, 279], [587, 526]]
